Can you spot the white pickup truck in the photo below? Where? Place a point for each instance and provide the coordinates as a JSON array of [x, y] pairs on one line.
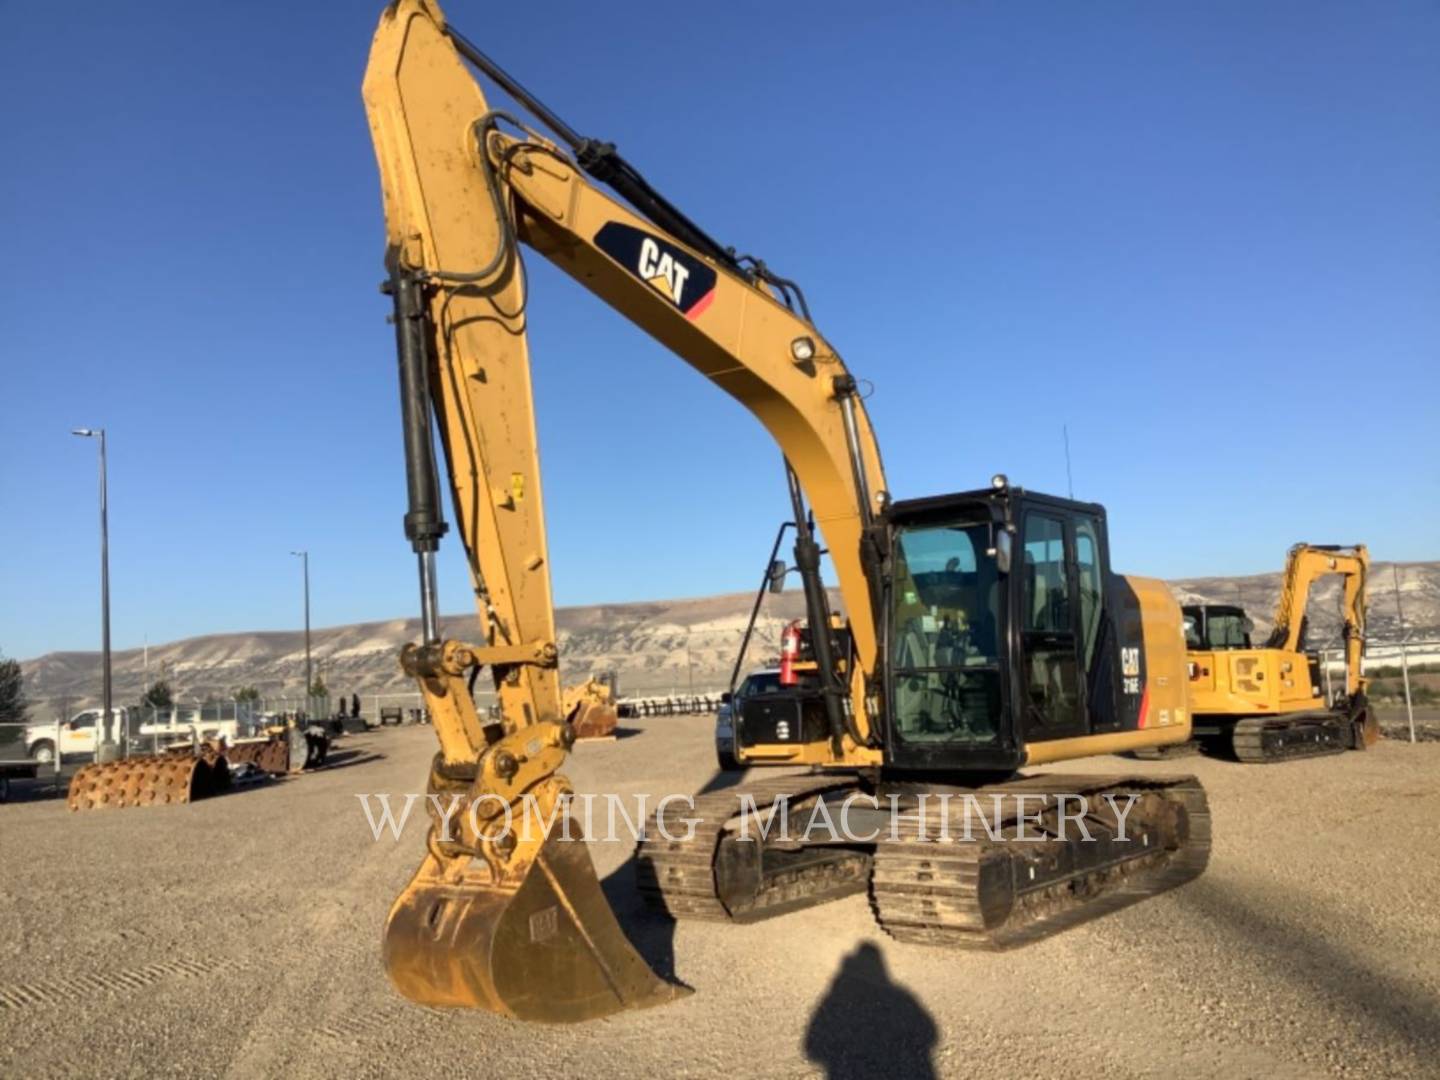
[[77, 736]]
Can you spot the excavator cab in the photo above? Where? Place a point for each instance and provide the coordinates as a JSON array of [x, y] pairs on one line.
[[1006, 637], [1003, 628]]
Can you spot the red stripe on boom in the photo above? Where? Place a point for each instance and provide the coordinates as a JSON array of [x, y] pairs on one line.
[[701, 304]]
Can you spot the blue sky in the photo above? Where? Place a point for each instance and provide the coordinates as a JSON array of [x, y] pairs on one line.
[[1206, 237]]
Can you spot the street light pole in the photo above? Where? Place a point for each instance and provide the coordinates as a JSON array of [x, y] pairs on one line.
[[104, 743], [304, 556]]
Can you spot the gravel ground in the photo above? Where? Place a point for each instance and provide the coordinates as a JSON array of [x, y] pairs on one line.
[[240, 937]]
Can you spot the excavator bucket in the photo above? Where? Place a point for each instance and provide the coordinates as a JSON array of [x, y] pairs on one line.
[[1367, 727], [549, 950], [590, 708], [594, 720], [159, 780]]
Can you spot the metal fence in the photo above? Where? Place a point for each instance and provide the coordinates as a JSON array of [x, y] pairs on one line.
[[1380, 654]]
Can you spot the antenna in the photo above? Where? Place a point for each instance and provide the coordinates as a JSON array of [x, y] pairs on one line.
[[1069, 480]]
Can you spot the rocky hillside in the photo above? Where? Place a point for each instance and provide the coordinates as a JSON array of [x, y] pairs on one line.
[[660, 646]]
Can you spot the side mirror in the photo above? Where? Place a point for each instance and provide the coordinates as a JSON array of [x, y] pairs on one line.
[[726, 698], [777, 573], [1001, 550]]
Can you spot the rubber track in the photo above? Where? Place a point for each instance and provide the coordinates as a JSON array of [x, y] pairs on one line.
[[1309, 735], [678, 876], [937, 893]]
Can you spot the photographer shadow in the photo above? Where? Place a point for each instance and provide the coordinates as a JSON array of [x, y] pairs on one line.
[[868, 1025]]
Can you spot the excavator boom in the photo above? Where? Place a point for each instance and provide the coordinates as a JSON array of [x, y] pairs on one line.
[[460, 195]]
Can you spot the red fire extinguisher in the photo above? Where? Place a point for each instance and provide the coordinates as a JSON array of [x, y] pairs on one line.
[[789, 653]]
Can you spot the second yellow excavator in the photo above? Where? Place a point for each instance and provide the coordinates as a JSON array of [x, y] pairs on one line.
[[1270, 704], [983, 633]]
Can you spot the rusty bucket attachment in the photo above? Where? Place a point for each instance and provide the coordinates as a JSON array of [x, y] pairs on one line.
[[548, 950], [272, 753], [156, 780], [594, 720], [590, 708], [284, 750]]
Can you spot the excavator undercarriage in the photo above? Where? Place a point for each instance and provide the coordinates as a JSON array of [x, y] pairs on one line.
[[992, 867], [1267, 740]]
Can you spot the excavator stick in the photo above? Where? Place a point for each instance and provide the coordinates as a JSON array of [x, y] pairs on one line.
[[156, 780]]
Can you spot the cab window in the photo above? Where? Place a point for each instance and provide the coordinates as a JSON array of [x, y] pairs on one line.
[[1226, 630], [944, 634], [1048, 634], [758, 684], [1087, 566], [1046, 588], [1192, 632]]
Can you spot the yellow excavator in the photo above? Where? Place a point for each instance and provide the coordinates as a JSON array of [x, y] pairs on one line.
[[1270, 704], [983, 632]]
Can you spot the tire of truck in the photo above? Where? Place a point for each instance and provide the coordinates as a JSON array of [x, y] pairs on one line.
[[726, 760], [43, 752]]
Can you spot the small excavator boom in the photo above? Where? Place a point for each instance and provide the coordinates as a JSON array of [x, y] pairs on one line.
[[1304, 565]]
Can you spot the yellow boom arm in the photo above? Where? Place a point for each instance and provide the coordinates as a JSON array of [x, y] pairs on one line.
[[1303, 566], [435, 149], [511, 921]]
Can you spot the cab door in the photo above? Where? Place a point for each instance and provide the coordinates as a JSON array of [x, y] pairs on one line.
[[1051, 703], [78, 736]]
